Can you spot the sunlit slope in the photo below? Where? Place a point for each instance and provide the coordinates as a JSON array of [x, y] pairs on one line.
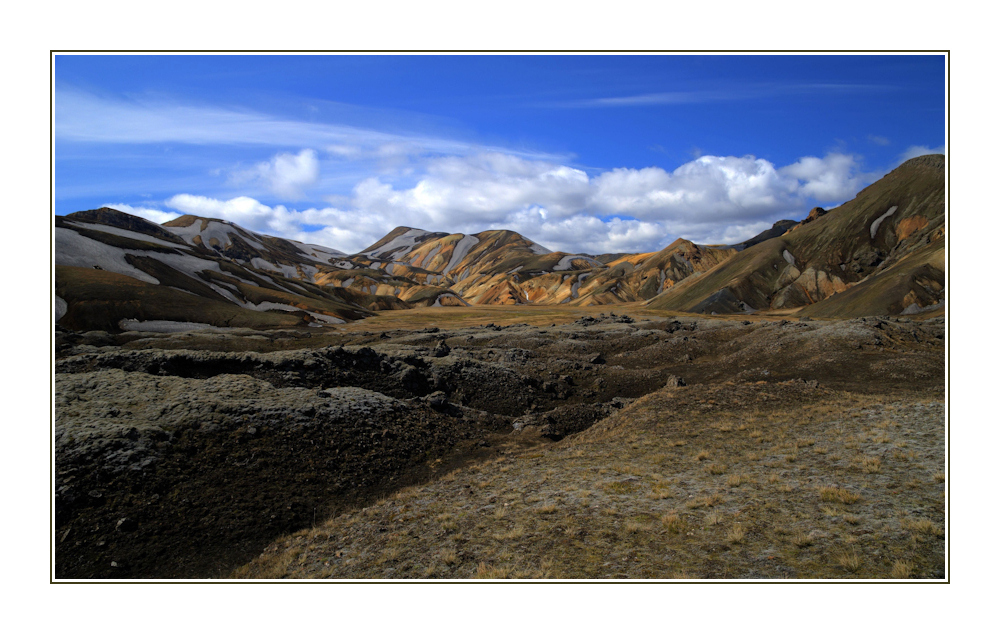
[[857, 242]]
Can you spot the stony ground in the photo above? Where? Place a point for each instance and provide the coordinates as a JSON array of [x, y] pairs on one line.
[[546, 443], [793, 482]]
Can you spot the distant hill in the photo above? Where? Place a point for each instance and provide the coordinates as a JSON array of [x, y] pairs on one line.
[[880, 253], [115, 271]]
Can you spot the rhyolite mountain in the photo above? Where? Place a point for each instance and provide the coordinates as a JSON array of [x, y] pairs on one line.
[[880, 253]]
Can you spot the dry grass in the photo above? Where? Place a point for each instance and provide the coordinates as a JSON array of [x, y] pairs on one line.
[[625, 504], [736, 534], [939, 476], [849, 560], [636, 526], [901, 569], [923, 526], [870, 464], [489, 571], [836, 494], [707, 501], [736, 480], [449, 556], [672, 522], [660, 492]]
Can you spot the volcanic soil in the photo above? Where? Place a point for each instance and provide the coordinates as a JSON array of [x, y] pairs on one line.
[[454, 443]]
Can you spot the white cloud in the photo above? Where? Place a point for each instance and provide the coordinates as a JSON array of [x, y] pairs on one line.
[[919, 150], [81, 116], [348, 231], [154, 215], [834, 177], [285, 174], [711, 187], [710, 200]]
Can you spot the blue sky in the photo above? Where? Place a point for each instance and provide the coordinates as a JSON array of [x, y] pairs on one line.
[[580, 153]]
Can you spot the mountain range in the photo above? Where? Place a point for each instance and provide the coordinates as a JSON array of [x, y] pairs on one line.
[[882, 252]]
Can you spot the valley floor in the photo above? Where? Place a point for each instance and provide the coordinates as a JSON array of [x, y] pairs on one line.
[[776, 481], [504, 442]]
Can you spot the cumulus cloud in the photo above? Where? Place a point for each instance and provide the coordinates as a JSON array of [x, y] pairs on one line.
[[155, 215], [710, 200], [919, 150], [719, 188], [285, 174], [833, 177], [348, 231]]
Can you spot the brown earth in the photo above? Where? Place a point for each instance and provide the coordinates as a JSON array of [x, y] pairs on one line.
[[185, 455]]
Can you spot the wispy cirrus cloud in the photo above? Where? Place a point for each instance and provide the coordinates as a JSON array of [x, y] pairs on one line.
[[732, 93], [86, 117]]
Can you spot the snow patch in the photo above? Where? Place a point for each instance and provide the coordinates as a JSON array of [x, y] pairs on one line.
[[326, 319], [187, 264], [284, 269], [426, 260], [125, 233], [220, 231], [788, 257], [318, 252], [162, 325], [437, 302], [263, 306], [461, 250], [404, 244], [536, 248], [576, 285], [73, 249], [346, 282], [566, 263], [878, 221], [229, 295]]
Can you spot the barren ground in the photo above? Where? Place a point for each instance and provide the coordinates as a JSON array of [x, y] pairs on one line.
[[539, 443]]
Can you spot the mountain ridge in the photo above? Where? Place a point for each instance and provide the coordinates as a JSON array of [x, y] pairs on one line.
[[882, 251]]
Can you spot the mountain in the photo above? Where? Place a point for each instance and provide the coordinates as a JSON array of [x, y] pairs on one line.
[[116, 272], [288, 257], [490, 267], [645, 275], [779, 228], [880, 253]]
